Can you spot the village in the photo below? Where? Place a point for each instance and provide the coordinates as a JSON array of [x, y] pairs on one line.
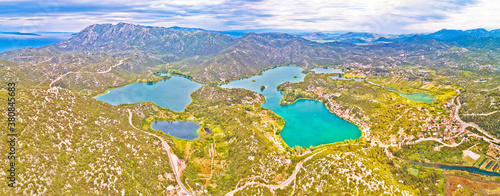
[[447, 131]]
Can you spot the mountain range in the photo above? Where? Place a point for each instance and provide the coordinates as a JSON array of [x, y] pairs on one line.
[[370, 38], [213, 57]]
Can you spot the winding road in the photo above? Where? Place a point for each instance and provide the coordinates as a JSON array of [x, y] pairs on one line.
[[72, 72], [171, 156], [436, 140], [487, 137], [279, 186], [465, 124]]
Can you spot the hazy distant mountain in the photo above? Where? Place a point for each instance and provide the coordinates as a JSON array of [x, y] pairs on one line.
[[184, 28], [495, 33], [491, 43], [351, 37], [359, 35], [475, 38], [371, 38], [315, 36], [16, 40], [19, 33], [446, 34]]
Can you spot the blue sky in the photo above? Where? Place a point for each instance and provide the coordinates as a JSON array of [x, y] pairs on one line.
[[379, 16]]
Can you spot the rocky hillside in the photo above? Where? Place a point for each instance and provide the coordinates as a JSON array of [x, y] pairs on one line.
[[73, 145], [103, 56], [121, 39], [254, 52]]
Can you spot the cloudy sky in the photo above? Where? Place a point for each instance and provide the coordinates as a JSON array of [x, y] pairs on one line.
[[379, 16]]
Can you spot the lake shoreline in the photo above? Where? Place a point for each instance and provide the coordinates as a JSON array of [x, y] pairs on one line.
[[363, 131], [178, 127], [322, 127], [172, 94]]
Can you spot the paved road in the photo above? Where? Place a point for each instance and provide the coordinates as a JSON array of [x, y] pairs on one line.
[[465, 124], [437, 140], [71, 72], [60, 77], [462, 129], [171, 156], [280, 186]]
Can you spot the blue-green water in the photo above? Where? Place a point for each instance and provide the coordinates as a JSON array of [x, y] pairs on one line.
[[327, 70], [461, 168], [307, 122], [172, 93], [179, 129], [11, 42], [419, 97]]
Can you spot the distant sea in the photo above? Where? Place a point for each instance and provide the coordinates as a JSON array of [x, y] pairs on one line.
[[16, 41]]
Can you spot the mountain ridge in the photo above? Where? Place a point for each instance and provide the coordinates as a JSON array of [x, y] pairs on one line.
[[212, 57]]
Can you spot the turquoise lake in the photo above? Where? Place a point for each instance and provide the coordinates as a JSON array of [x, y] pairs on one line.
[[172, 93], [179, 129], [307, 122], [417, 97]]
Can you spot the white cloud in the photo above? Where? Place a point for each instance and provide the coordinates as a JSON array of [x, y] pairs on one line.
[[383, 16], [484, 14], [321, 14]]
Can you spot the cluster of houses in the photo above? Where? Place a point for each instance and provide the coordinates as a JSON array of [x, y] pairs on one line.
[[399, 139], [447, 128], [443, 128], [440, 127]]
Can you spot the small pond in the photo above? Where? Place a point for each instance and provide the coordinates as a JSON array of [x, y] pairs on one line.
[[179, 129], [418, 97]]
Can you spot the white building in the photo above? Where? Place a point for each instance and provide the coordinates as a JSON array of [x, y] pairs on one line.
[[471, 154]]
